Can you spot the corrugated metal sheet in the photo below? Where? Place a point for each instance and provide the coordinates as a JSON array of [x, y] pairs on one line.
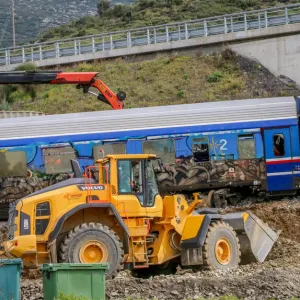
[[151, 117], [18, 114]]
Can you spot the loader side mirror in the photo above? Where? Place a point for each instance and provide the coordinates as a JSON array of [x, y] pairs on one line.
[[76, 169]]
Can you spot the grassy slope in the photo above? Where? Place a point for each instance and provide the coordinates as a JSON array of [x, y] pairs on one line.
[[166, 80], [154, 12]]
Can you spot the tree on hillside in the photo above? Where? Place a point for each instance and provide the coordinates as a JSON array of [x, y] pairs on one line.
[[103, 6]]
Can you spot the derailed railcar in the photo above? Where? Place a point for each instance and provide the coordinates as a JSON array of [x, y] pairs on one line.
[[225, 149]]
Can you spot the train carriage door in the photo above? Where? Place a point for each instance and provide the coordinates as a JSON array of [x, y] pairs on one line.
[[279, 166]]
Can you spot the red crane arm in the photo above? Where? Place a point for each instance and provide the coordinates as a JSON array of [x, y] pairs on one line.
[[87, 79], [115, 100], [74, 77], [83, 80]]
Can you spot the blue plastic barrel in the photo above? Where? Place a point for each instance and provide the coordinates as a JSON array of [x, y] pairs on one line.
[[10, 271]]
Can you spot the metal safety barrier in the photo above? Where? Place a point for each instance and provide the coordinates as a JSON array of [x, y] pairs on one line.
[[110, 41]]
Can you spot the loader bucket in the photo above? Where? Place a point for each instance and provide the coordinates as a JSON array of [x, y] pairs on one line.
[[261, 236], [256, 238]]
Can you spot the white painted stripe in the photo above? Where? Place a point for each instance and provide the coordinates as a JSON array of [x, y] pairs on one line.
[[139, 129], [283, 158], [280, 174], [279, 159], [296, 172]]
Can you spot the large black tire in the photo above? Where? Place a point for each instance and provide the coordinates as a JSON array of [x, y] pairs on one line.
[[221, 249], [93, 243]]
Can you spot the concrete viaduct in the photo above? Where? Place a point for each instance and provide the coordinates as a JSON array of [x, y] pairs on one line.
[[269, 36]]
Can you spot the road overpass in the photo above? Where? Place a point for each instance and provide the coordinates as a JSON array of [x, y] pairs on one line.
[[271, 36]]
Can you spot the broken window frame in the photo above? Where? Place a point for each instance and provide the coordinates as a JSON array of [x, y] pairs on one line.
[[97, 148], [60, 152], [21, 170], [171, 155], [246, 137], [205, 141]]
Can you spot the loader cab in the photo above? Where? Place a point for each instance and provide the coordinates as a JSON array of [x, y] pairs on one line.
[[134, 185]]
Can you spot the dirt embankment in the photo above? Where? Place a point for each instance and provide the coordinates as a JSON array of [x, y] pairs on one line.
[[277, 278], [280, 215]]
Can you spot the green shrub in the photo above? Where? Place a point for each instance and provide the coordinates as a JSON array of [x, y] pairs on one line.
[[7, 91], [26, 67], [181, 93], [103, 6], [215, 76], [4, 105]]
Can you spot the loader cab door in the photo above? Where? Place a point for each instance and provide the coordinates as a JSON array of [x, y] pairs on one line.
[[278, 152], [137, 187]]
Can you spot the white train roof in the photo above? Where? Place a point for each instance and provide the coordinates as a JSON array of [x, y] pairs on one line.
[[150, 117], [18, 114]]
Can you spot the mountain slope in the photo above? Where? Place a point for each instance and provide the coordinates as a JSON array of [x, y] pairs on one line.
[[35, 16], [42, 18], [153, 12]]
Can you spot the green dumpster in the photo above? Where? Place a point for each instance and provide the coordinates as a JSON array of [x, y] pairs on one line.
[[86, 280], [10, 271]]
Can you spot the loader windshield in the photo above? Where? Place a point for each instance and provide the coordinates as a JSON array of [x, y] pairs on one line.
[[106, 173], [152, 189], [137, 177], [130, 178]]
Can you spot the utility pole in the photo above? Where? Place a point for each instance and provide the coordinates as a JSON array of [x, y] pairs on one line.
[[13, 22]]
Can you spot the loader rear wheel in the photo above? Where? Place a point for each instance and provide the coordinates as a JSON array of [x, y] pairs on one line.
[[221, 249], [92, 243]]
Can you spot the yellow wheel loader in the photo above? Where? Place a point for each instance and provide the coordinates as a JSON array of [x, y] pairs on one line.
[[115, 214]]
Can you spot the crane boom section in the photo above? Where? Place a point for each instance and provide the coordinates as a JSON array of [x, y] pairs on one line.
[[83, 80]]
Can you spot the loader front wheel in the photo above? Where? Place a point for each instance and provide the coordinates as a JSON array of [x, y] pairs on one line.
[[221, 249], [92, 243]]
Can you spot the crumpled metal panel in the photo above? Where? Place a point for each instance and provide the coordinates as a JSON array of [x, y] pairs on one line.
[[13, 164]]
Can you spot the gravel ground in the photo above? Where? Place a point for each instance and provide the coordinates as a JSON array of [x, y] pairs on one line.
[[277, 278]]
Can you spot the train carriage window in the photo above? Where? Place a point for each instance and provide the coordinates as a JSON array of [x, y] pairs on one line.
[[246, 146], [13, 163], [164, 149], [57, 160], [113, 148], [200, 148], [278, 144]]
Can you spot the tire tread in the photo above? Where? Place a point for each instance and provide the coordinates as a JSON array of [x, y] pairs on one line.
[[212, 228], [65, 244]]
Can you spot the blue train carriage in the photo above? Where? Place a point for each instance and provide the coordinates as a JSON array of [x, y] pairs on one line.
[[225, 149]]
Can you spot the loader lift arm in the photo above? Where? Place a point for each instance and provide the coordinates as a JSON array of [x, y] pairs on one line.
[[83, 80]]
